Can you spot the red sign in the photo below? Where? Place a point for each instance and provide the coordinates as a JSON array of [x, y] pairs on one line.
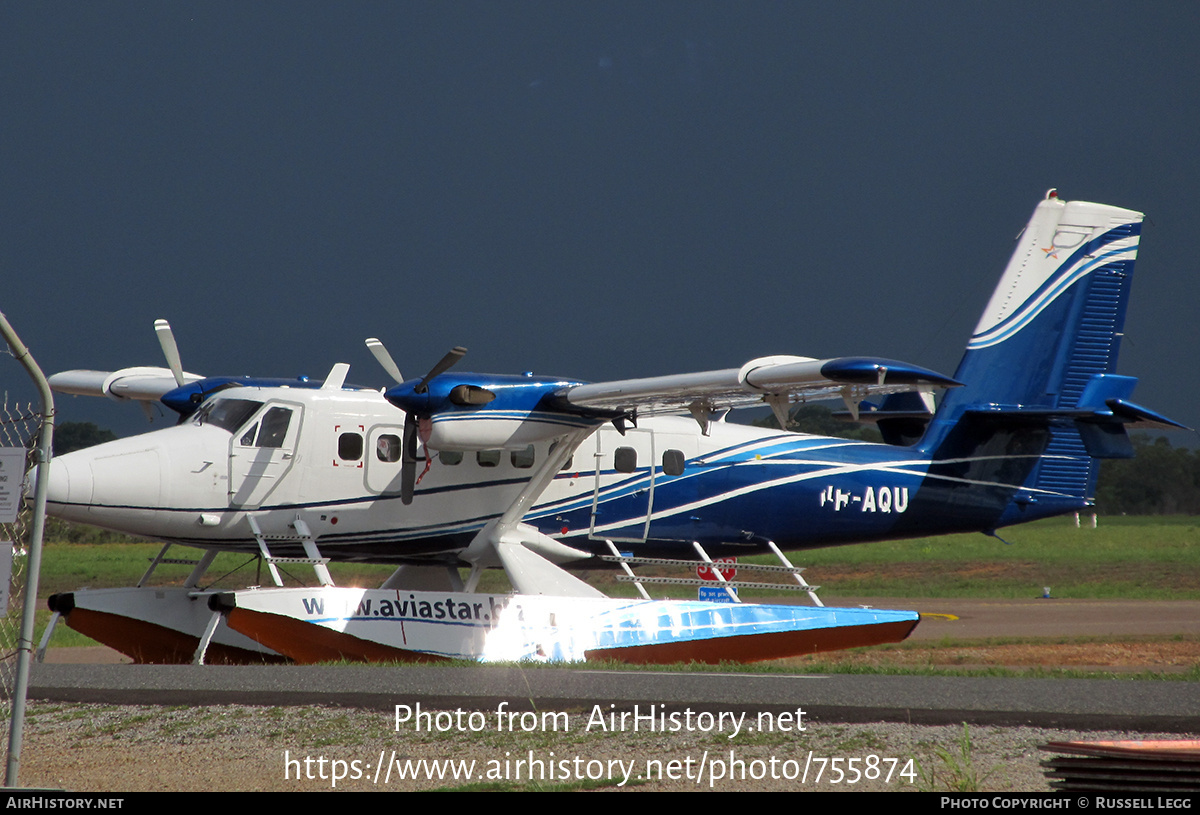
[[727, 566]]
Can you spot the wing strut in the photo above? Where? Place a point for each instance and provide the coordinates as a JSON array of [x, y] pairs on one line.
[[526, 554]]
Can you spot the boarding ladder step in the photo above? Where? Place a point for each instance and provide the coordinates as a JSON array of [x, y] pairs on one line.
[[786, 567], [696, 581], [303, 535], [691, 564]]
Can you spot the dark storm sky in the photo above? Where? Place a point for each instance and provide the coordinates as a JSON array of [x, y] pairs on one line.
[[597, 190]]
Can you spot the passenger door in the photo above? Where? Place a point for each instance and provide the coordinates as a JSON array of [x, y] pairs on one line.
[[623, 496], [262, 452]]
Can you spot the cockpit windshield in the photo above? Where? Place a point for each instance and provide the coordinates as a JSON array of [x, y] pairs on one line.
[[227, 414]]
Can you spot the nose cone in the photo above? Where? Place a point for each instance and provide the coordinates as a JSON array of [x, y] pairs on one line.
[[116, 485], [69, 485]]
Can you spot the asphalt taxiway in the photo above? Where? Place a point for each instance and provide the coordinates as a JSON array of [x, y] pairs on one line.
[[971, 618], [1086, 704]]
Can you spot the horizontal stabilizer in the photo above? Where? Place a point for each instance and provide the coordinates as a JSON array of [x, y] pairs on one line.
[[1126, 414], [910, 405], [901, 417], [1103, 430], [1136, 416], [1106, 396], [1103, 400]]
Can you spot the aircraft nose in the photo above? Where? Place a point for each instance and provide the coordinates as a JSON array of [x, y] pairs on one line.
[[70, 481]]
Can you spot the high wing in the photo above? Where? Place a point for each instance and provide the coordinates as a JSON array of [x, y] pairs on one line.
[[142, 384], [776, 381], [149, 384], [179, 390]]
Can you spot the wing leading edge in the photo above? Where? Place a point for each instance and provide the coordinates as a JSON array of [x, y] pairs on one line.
[[776, 381], [142, 384]]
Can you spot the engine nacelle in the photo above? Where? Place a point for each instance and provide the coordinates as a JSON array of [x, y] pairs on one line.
[[472, 412]]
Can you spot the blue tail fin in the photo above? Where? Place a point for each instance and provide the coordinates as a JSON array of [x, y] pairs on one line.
[[1041, 402]]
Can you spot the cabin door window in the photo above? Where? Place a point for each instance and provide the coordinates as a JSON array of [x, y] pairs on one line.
[[261, 454]]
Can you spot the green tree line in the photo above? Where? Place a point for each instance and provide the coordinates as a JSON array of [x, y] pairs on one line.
[[1158, 480]]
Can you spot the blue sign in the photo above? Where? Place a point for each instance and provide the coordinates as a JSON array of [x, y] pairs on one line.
[[716, 594]]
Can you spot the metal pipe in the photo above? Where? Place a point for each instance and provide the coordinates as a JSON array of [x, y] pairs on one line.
[[25, 639]]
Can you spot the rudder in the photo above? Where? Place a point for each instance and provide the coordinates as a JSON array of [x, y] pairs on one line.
[[1039, 367]]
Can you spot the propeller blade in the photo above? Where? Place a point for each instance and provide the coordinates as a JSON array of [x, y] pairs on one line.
[[408, 459], [385, 360], [455, 354], [166, 339]]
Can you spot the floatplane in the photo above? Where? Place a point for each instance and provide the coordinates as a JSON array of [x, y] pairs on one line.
[[460, 472]]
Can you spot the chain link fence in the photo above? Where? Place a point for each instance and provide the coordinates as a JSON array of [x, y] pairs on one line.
[[19, 427]]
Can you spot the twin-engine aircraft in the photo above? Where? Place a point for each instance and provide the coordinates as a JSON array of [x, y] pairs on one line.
[[529, 473]]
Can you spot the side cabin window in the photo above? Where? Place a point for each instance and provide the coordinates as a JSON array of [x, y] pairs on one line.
[[488, 458], [350, 447], [523, 459], [387, 447], [450, 457], [566, 465], [673, 462], [625, 459]]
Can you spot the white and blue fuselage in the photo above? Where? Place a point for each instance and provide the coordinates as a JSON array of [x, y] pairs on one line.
[[661, 485], [1034, 405]]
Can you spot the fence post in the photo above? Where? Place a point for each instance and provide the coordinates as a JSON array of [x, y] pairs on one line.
[[25, 639]]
